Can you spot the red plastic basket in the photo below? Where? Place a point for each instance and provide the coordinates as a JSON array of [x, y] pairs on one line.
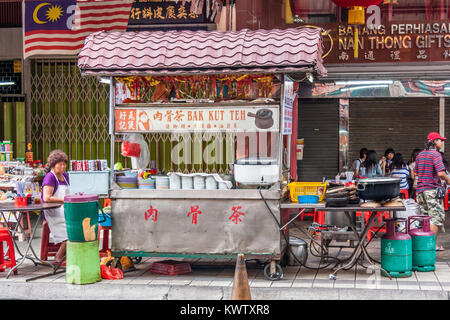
[[171, 267]]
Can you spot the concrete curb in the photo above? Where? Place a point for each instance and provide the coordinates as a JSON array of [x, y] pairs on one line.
[[110, 291]]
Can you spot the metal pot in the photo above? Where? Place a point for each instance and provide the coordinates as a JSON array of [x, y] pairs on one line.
[[263, 118], [378, 189]]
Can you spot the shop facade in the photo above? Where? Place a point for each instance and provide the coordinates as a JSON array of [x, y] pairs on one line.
[[389, 93]]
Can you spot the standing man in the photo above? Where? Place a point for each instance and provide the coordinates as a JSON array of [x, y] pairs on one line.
[[430, 170], [357, 166]]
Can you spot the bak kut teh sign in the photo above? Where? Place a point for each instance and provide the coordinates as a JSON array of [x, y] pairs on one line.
[[394, 42], [205, 119]]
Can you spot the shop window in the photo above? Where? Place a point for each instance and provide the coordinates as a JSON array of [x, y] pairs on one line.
[[416, 10], [314, 11], [10, 14]]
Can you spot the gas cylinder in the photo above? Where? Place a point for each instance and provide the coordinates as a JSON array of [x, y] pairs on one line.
[[396, 250], [423, 244]]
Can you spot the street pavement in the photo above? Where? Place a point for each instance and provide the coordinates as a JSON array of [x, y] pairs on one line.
[[213, 280]]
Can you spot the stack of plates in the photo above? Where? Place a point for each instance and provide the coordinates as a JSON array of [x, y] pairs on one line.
[[187, 183], [127, 182], [199, 182], [210, 183], [162, 182], [175, 181], [146, 183]]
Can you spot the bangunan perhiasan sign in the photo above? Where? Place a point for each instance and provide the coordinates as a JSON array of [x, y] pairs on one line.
[[59, 27], [201, 119], [405, 42]]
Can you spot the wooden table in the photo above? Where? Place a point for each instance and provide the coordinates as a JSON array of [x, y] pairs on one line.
[[18, 211], [361, 237]]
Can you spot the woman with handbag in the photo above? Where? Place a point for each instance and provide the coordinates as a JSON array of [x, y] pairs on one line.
[[430, 169]]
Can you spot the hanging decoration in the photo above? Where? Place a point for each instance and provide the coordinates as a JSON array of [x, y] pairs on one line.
[[188, 88], [356, 15]]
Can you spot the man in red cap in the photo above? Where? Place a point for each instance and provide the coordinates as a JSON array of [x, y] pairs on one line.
[[430, 170]]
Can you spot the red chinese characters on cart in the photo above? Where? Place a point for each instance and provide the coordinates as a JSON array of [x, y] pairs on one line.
[[235, 216], [194, 211], [151, 213]]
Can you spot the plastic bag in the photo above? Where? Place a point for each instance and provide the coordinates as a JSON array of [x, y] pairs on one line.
[[135, 146], [110, 273]]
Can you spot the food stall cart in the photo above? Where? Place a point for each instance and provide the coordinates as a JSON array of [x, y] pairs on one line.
[[205, 79]]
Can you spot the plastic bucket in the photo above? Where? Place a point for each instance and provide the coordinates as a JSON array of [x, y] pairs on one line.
[[82, 218], [82, 262]]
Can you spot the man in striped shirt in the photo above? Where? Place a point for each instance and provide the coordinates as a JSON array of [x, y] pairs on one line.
[[430, 170]]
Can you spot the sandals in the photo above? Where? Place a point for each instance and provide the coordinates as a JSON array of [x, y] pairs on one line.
[[440, 248]]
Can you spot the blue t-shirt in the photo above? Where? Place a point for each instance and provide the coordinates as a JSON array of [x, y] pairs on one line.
[[402, 173]]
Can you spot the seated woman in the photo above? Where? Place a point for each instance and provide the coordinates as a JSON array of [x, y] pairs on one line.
[[399, 169], [373, 169], [55, 187]]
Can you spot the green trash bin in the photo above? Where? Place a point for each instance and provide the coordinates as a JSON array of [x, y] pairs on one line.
[[82, 262], [81, 213]]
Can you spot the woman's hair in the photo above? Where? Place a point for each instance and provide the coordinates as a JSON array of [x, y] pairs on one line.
[[388, 150], [53, 158], [397, 162], [362, 152], [371, 159], [414, 155]]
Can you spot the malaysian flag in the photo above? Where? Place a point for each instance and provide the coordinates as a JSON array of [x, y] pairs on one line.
[[59, 27]]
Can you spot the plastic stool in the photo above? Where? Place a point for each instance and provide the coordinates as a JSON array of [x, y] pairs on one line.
[[11, 261], [404, 193], [309, 214], [380, 217], [105, 244], [48, 249]]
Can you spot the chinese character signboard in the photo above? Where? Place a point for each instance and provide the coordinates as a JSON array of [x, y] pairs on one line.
[[288, 101], [394, 42], [165, 12], [187, 119]]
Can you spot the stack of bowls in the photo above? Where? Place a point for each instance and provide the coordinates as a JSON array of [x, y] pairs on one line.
[[127, 182], [187, 183], [210, 183], [175, 181], [162, 182], [148, 183], [199, 182]]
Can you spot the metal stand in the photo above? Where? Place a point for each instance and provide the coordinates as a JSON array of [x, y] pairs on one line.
[[360, 249], [34, 258]]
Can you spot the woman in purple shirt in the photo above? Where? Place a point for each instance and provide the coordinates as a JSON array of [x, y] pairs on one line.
[[55, 187]]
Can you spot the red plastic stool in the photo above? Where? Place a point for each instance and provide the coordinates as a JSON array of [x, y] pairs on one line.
[[11, 261], [378, 220], [105, 244], [309, 214], [48, 249], [404, 193]]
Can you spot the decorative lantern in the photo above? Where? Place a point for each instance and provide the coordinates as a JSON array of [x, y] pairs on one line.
[[356, 15]]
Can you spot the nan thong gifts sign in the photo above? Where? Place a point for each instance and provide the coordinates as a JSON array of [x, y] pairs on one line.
[[202, 119], [414, 41]]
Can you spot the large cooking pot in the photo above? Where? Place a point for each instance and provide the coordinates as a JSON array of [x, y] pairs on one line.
[[378, 189]]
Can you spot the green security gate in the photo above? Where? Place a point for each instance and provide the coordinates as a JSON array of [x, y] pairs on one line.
[[68, 112]]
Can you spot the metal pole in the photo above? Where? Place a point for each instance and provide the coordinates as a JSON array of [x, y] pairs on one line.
[[112, 116]]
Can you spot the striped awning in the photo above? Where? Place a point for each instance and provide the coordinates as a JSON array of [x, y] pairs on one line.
[[202, 52]]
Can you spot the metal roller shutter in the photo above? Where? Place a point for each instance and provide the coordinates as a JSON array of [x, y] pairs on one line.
[[318, 124], [401, 123]]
